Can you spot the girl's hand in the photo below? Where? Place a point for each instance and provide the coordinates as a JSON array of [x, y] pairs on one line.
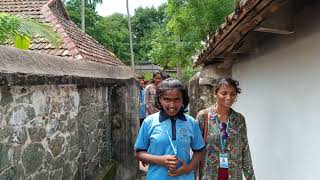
[[144, 164], [170, 161], [182, 170]]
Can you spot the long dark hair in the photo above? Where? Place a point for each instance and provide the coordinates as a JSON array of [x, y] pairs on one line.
[[171, 84]]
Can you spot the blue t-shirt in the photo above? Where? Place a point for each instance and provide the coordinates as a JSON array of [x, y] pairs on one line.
[[142, 109], [154, 139]]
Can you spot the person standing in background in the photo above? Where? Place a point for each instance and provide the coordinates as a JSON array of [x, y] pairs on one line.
[[142, 109], [150, 93]]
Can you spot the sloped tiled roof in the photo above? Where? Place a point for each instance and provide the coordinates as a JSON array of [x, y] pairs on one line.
[[247, 15], [76, 44], [87, 47], [25, 8]]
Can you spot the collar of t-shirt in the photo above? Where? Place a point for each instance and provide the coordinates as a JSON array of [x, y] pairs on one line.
[[164, 116]]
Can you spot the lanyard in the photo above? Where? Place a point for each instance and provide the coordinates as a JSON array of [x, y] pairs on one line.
[[171, 142], [223, 142]]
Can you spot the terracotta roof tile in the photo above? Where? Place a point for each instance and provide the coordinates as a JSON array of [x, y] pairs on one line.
[[34, 46], [247, 15], [53, 51], [76, 44], [242, 7], [29, 8], [65, 52], [46, 51], [59, 51]]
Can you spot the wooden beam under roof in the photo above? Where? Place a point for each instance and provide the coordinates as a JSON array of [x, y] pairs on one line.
[[272, 30], [236, 32], [264, 9]]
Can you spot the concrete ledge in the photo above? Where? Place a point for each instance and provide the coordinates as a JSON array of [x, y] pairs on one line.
[[19, 67]]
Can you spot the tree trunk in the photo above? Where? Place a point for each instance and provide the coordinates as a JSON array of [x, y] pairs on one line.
[[179, 71], [130, 37], [83, 26]]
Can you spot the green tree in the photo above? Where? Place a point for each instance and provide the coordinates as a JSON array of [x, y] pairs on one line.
[[163, 48], [170, 51], [21, 31], [144, 21], [74, 11], [197, 19], [93, 3], [112, 32], [189, 25]]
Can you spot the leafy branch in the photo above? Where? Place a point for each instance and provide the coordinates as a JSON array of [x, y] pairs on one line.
[[21, 30]]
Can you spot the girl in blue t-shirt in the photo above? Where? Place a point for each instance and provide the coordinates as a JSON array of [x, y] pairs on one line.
[[166, 138]]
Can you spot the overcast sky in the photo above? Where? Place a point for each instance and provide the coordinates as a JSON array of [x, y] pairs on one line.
[[111, 6]]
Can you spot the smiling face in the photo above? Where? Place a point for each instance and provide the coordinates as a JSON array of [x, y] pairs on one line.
[[171, 101], [157, 79], [226, 96]]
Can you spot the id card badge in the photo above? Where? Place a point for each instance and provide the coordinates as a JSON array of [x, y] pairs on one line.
[[223, 160]]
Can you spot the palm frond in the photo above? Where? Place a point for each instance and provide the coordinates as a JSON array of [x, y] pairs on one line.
[[36, 29], [8, 26], [22, 42], [12, 26]]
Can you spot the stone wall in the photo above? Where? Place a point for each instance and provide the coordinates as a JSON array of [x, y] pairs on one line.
[[201, 89], [201, 96], [50, 132], [61, 119]]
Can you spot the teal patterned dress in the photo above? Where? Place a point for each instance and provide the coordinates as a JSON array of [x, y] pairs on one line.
[[237, 147]]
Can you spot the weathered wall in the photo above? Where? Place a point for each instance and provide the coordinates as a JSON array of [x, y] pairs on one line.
[[200, 88], [61, 130], [125, 126], [280, 101], [61, 124]]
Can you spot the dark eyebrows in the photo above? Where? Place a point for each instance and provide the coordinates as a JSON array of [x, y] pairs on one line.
[[232, 92], [167, 98]]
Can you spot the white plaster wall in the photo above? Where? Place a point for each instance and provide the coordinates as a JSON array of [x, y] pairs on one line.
[[281, 102]]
